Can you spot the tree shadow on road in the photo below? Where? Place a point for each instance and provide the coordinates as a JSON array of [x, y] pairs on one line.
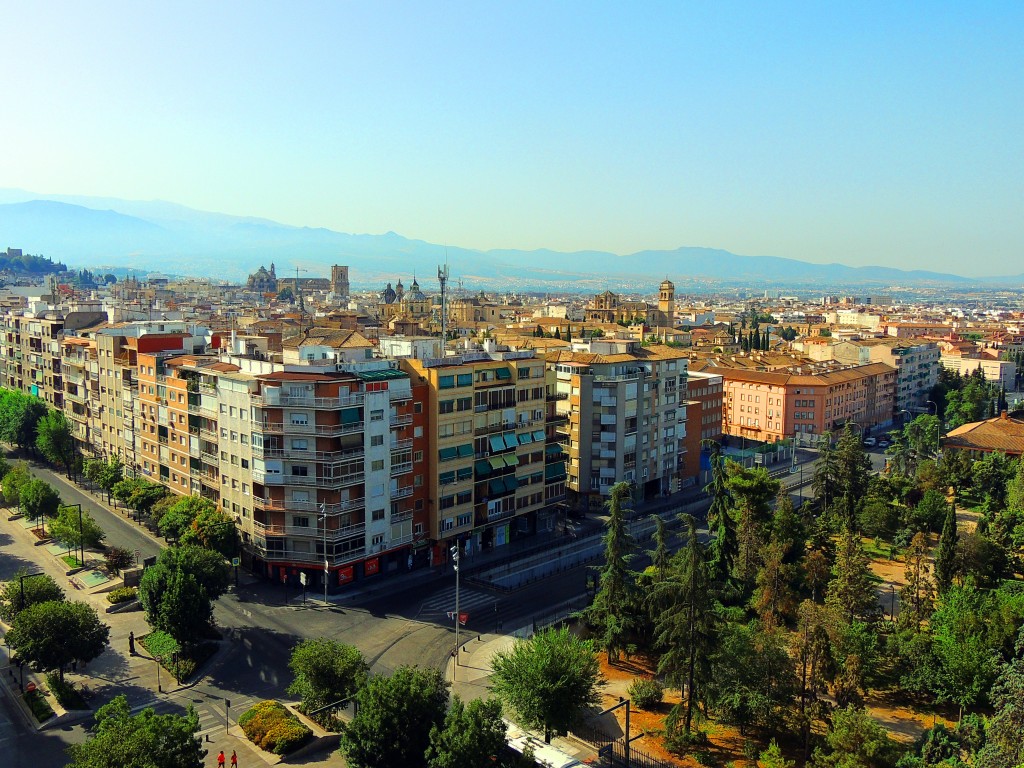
[[254, 662]]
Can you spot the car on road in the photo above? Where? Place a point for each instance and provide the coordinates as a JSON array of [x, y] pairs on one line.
[[883, 443], [870, 442]]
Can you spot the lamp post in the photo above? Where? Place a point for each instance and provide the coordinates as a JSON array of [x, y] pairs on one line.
[[21, 582], [81, 530], [323, 519], [455, 561]]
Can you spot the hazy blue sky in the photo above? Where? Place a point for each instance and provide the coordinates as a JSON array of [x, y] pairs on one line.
[[870, 133]]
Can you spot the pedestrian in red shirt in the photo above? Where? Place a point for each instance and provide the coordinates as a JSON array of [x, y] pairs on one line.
[[234, 759], [220, 759]]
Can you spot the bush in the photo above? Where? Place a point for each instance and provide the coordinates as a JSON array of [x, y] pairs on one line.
[[646, 694], [119, 558], [122, 595], [39, 705], [65, 692], [271, 727]]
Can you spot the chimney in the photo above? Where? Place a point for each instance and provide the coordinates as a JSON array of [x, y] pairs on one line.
[[1003, 415]]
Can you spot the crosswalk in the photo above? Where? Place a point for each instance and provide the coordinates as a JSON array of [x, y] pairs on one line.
[[211, 710], [477, 603]]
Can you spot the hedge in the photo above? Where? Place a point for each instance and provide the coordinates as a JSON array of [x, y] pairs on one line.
[[271, 727]]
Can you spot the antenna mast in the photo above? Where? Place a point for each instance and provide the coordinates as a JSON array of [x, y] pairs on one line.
[[442, 278]]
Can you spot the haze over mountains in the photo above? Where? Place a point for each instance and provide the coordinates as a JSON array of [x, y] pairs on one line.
[[170, 238]]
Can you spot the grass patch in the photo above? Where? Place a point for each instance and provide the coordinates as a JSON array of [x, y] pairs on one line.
[[188, 659], [65, 693], [40, 707], [879, 550], [273, 728], [72, 562]]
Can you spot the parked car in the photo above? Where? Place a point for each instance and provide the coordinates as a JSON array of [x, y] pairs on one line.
[[870, 442], [883, 443]]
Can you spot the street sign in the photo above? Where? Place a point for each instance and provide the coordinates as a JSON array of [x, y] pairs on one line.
[[302, 578], [236, 561], [463, 618], [138, 555]]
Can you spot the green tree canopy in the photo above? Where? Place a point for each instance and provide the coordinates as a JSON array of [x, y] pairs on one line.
[[145, 740], [179, 515], [547, 679], [856, 740], [613, 603], [67, 529], [326, 671], [214, 530], [473, 736], [51, 635], [38, 588], [15, 479], [175, 602], [851, 592], [39, 499], [394, 718], [55, 441]]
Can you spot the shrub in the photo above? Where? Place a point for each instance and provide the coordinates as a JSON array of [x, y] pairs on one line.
[[65, 692], [122, 595], [39, 705], [646, 694], [271, 727], [119, 558]]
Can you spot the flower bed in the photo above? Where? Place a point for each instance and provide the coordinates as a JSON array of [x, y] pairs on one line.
[[39, 705], [271, 727]]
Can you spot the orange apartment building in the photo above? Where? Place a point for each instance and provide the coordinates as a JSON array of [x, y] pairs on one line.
[[769, 406]]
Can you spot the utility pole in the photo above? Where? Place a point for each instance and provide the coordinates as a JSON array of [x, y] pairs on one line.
[[442, 278], [455, 561], [327, 562]]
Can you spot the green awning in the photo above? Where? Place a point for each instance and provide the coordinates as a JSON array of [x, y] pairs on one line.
[[497, 487], [526, 437], [483, 468], [511, 460], [497, 462], [349, 415], [503, 373], [447, 453], [554, 471], [497, 443], [511, 441], [553, 450], [446, 477], [465, 450]]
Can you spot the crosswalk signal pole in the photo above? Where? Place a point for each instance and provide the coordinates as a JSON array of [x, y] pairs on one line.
[[455, 560]]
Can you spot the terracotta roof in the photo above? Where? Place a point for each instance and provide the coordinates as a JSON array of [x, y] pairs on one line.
[[1002, 434]]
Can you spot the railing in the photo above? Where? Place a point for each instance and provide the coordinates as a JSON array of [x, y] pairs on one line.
[[401, 493], [260, 476], [209, 389], [308, 454], [401, 469], [401, 445], [400, 395], [311, 557], [307, 401], [324, 430], [333, 534], [557, 396], [200, 410], [401, 419], [282, 505]]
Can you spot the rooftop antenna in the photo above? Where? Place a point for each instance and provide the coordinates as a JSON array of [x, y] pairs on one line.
[[442, 278]]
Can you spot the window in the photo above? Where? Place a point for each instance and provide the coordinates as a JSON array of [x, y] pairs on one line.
[[465, 380], [417, 456], [377, 415], [417, 407], [377, 514], [300, 471], [245, 463], [378, 540], [462, 520], [377, 465], [300, 522], [445, 382], [299, 419], [245, 488], [446, 406], [376, 440]]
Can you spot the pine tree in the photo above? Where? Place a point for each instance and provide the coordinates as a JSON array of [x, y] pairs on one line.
[[850, 592], [916, 597], [725, 545], [659, 555], [945, 557], [611, 609]]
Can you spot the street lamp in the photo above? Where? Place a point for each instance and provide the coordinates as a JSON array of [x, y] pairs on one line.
[[455, 560], [21, 581], [81, 533], [323, 519]]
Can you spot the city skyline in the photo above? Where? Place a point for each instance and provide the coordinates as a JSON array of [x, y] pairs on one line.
[[867, 135]]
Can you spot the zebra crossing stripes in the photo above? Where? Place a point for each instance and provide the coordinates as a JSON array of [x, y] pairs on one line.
[[210, 711], [471, 601]]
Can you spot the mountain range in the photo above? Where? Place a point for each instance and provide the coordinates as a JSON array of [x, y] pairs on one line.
[[156, 236]]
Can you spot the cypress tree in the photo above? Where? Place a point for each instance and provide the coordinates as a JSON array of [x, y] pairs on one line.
[[945, 557]]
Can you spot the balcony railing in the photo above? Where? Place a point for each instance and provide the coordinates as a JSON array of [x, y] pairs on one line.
[[282, 505], [307, 401], [401, 493], [333, 534], [308, 454], [401, 469], [323, 430], [401, 445], [341, 481], [310, 557], [401, 419]]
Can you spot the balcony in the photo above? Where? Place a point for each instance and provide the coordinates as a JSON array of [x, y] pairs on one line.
[[282, 505], [401, 445], [333, 534], [323, 430], [401, 469], [401, 493], [200, 410], [401, 420], [307, 454], [273, 399], [310, 557], [400, 396], [341, 481]]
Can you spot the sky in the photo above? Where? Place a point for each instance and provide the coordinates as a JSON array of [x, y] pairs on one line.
[[861, 133]]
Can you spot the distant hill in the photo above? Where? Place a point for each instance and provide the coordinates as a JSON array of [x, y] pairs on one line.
[[160, 236]]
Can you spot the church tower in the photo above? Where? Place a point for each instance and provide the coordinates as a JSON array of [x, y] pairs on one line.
[[667, 303]]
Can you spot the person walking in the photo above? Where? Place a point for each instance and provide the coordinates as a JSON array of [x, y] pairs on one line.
[[131, 643], [220, 759], [234, 759]]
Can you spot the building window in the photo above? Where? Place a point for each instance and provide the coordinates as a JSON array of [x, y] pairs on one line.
[[377, 415], [377, 465], [377, 514], [299, 419], [300, 471]]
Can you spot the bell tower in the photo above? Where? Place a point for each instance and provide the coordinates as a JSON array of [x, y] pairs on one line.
[[667, 302]]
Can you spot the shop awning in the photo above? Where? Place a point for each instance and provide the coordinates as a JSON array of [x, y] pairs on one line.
[[526, 437]]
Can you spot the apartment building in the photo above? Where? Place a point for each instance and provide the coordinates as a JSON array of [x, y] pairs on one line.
[[491, 474], [769, 406], [1000, 372], [626, 409], [915, 360], [704, 392], [80, 397]]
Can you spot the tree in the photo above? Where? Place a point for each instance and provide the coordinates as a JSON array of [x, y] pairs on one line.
[[175, 603], [856, 740], [394, 719], [146, 740], [687, 629], [39, 499], [19, 593], [660, 554], [752, 491], [850, 592], [15, 479], [774, 598], [853, 472], [119, 558], [19, 415], [815, 666], [138, 494], [208, 567], [724, 546], [55, 441], [71, 532], [613, 601], [916, 596], [326, 671], [826, 473], [473, 736], [111, 473], [51, 635], [945, 557], [773, 757], [1004, 745], [214, 530], [179, 516], [547, 679], [788, 528], [991, 475]]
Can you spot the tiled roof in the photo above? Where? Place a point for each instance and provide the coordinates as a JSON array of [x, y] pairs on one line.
[[1002, 434]]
